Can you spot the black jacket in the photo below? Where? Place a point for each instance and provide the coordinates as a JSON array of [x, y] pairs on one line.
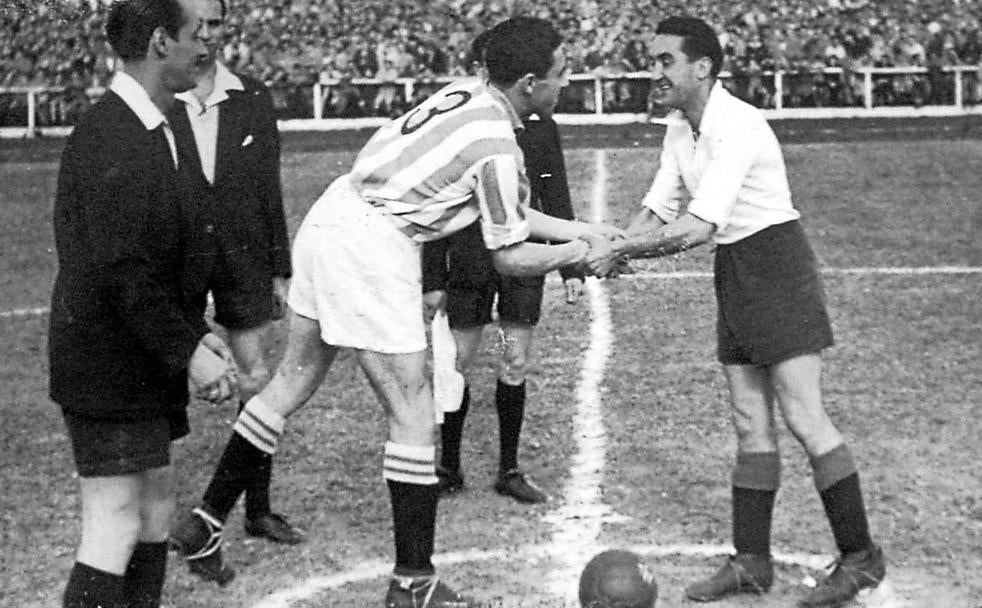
[[238, 224], [462, 259], [120, 334]]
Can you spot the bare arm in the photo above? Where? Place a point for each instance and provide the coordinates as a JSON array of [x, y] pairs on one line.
[[652, 237], [533, 259]]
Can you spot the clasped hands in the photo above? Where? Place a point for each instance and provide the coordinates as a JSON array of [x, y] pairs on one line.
[[211, 371], [602, 261]]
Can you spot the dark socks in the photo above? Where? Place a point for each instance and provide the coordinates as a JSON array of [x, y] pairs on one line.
[[90, 587], [752, 513], [451, 433], [414, 522], [145, 575], [838, 484], [756, 479], [510, 402], [242, 466]]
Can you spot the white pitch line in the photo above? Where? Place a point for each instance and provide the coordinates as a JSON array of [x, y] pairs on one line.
[[23, 312], [858, 271], [579, 520]]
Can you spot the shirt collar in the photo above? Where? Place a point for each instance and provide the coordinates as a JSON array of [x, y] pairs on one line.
[[715, 105], [136, 97], [502, 99], [225, 81]]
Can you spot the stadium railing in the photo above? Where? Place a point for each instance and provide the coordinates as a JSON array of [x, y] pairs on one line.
[[594, 98]]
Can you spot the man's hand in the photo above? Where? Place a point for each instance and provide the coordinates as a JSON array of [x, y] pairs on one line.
[[433, 301], [600, 258], [574, 289], [281, 287], [211, 370]]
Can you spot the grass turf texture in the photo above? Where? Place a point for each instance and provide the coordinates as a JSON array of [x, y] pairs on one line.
[[903, 383]]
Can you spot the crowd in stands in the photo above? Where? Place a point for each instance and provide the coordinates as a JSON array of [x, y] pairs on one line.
[[292, 43]]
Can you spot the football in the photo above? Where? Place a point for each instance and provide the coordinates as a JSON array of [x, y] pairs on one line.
[[617, 579]]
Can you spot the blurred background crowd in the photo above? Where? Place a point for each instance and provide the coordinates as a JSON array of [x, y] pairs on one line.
[[290, 44]]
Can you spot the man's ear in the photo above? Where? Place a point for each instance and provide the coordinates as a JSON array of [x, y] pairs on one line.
[[704, 67], [528, 82], [159, 42]]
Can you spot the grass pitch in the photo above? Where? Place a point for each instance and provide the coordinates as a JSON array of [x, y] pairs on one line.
[[903, 382]]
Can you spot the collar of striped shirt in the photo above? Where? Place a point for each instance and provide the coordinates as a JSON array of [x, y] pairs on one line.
[[499, 96]]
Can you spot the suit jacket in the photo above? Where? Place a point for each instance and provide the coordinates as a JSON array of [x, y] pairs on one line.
[[120, 336], [461, 259], [238, 226]]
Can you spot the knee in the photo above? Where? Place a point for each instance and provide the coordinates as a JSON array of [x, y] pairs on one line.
[[513, 368], [253, 380], [755, 433], [155, 517]]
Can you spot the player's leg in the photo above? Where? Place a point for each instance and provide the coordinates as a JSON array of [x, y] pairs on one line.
[[306, 360], [516, 337], [409, 469], [519, 310], [754, 484], [127, 500], [451, 478], [249, 348], [797, 386], [110, 529], [147, 568]]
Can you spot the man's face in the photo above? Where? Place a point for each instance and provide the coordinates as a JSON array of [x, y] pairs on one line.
[[674, 78], [188, 54], [545, 91], [213, 28]]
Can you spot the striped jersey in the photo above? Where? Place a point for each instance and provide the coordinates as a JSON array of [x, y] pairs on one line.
[[448, 162]]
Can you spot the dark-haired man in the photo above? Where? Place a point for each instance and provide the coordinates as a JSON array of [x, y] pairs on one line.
[[721, 156], [459, 277], [123, 341], [356, 283], [226, 132]]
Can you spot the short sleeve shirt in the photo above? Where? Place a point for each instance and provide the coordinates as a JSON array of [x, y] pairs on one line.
[[732, 174], [446, 163]]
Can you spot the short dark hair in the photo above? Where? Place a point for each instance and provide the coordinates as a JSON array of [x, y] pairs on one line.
[[698, 39], [131, 23], [476, 52], [520, 46]]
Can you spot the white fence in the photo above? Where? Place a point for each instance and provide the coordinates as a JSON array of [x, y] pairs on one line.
[[597, 98]]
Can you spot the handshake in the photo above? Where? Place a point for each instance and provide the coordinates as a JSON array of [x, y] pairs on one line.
[[602, 259], [211, 371]]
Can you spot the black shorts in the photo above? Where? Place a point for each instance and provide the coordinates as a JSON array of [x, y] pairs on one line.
[[771, 305], [242, 300], [519, 301], [112, 447]]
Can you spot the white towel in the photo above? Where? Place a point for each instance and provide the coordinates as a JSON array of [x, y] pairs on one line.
[[448, 383]]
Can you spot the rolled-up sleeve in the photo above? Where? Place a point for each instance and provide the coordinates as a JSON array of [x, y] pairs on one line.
[[502, 194]]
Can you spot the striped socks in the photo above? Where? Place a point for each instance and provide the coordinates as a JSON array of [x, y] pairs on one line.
[[410, 472], [260, 425], [247, 457]]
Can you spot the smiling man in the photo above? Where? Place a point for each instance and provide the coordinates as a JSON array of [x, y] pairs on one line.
[[722, 178]]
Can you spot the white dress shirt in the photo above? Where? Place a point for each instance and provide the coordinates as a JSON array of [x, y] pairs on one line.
[[730, 174], [136, 97], [204, 117]]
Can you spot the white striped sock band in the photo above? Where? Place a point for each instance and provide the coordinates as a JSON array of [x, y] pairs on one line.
[[260, 425], [415, 464]]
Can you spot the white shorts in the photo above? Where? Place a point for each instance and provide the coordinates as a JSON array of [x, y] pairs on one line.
[[358, 275]]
